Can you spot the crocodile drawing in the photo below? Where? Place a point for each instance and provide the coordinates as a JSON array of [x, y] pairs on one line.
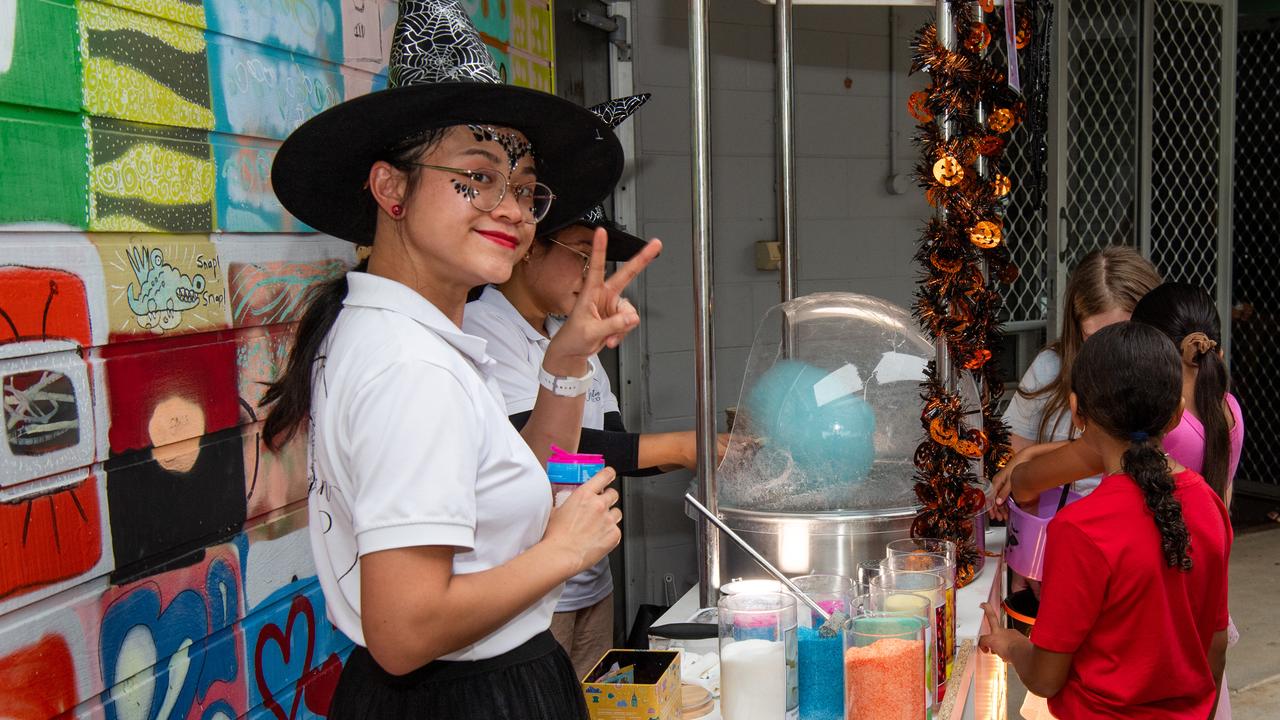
[[164, 292]]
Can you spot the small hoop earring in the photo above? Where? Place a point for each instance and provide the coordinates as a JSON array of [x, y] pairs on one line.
[[396, 210]]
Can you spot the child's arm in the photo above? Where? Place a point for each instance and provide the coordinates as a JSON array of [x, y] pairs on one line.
[[1042, 672], [1001, 482], [1068, 462], [1217, 664]]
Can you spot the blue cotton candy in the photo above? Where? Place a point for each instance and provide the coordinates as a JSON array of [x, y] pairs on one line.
[[833, 442]]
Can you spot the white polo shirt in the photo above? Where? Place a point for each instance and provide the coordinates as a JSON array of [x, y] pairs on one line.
[[518, 349], [1023, 414], [411, 446]]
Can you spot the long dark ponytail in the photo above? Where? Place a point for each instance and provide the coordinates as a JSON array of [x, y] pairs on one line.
[[1128, 383], [1180, 310], [290, 396]]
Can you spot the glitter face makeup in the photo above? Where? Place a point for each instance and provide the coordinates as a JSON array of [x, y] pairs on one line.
[[512, 143]]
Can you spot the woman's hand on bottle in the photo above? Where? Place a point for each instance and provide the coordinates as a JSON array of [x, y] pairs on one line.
[[602, 316], [585, 528]]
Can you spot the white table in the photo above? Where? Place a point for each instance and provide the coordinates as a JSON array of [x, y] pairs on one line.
[[978, 684]]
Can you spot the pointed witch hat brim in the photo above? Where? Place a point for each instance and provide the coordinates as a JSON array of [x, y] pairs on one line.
[[622, 244], [320, 171]]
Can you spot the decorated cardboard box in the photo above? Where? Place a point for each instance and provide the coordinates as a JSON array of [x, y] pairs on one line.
[[634, 685]]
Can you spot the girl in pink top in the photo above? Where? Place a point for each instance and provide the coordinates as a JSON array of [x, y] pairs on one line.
[[1211, 433]]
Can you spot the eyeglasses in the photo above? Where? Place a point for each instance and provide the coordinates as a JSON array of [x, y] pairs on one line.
[[487, 188], [586, 259]]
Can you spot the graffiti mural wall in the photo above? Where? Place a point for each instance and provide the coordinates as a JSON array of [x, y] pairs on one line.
[[154, 554]]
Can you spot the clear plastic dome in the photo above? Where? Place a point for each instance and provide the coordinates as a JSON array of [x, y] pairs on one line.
[[828, 418]]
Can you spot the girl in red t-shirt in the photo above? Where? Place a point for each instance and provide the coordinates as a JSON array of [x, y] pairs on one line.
[[1133, 614]]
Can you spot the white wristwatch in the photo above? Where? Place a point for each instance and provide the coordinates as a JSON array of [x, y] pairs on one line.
[[566, 386]]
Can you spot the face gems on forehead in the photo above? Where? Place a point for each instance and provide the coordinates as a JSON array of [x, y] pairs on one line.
[[515, 146]]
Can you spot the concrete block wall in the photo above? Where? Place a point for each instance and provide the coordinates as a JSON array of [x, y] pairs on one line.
[[853, 235]]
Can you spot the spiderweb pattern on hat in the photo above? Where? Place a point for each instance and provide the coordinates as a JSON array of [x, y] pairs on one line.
[[435, 41]]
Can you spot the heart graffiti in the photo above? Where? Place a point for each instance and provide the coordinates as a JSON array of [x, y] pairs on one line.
[[300, 607], [313, 686]]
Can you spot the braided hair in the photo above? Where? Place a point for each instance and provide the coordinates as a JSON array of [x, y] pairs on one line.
[[1128, 383]]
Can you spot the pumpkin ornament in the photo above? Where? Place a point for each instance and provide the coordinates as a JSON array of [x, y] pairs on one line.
[[948, 171], [942, 434], [978, 39], [918, 108], [978, 359], [989, 145], [1001, 120], [988, 5], [986, 234], [1001, 185], [946, 260], [1022, 38]]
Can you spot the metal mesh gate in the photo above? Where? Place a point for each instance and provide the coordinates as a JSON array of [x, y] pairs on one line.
[[1026, 300], [1186, 222], [1103, 83], [1144, 150], [1255, 367]]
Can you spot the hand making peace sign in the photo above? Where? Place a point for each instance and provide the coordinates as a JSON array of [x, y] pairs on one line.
[[602, 317]]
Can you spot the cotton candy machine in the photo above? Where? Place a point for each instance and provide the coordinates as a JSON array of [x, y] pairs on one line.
[[818, 475]]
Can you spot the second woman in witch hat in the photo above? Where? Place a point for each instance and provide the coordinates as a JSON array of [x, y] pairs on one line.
[[521, 318], [419, 506]]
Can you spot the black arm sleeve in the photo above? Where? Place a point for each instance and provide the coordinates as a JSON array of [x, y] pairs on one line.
[[621, 449]]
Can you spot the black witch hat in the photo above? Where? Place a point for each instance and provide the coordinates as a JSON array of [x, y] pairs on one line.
[[622, 244], [440, 75]]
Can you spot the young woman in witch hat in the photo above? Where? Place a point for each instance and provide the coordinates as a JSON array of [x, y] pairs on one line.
[[421, 490]]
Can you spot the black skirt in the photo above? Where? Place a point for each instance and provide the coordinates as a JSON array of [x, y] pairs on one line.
[[532, 682]]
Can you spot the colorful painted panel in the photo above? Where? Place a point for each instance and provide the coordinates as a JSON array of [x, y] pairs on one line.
[[38, 61], [139, 67], [266, 92], [531, 72], [245, 201], [187, 12], [148, 178], [170, 646], [51, 289], [296, 654], [37, 682], [169, 502], [491, 18], [273, 479], [50, 531], [532, 29], [48, 412], [265, 293], [167, 391], [162, 284], [42, 304], [43, 160], [367, 27], [305, 27]]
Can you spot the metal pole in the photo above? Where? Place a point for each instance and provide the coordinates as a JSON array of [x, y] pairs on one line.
[[704, 345], [1226, 172], [947, 38], [785, 149], [1056, 221]]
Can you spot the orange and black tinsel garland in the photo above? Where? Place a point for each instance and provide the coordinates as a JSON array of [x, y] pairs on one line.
[[964, 263]]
